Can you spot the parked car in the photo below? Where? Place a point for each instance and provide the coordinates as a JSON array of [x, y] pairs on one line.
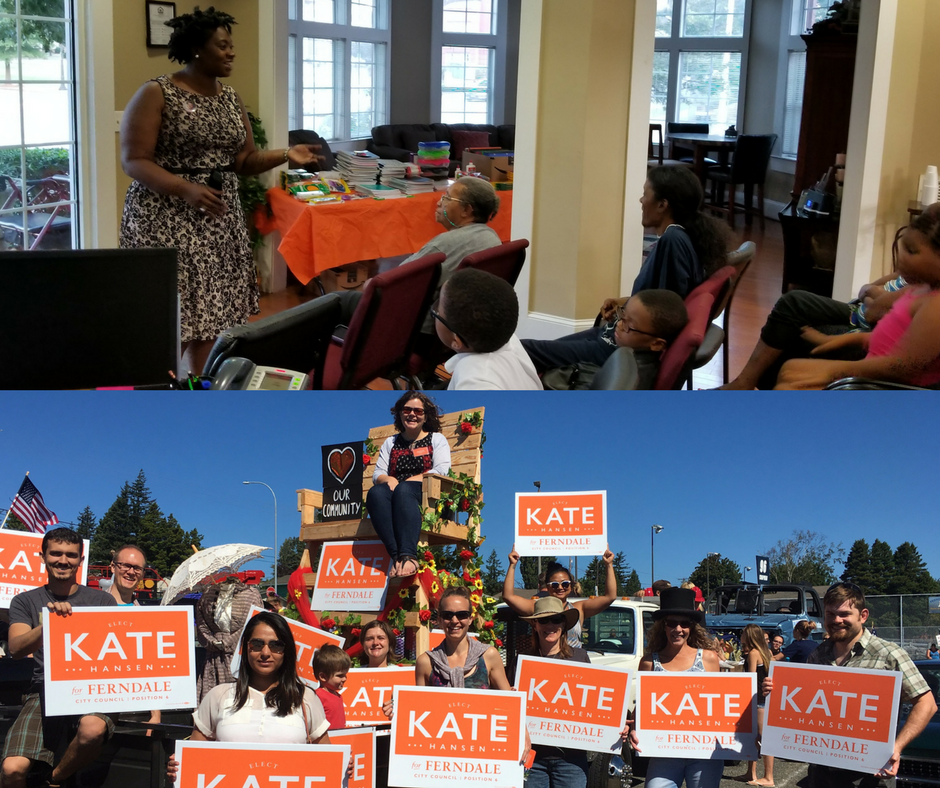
[[920, 760], [614, 638], [774, 608]]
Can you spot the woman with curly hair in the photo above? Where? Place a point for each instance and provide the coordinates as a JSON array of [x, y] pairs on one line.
[[394, 502], [678, 641], [185, 137]]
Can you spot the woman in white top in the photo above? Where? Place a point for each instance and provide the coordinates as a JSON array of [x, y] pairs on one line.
[[267, 701], [394, 502], [561, 584]]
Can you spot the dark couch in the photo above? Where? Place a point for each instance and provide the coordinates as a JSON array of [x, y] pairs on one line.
[[399, 140]]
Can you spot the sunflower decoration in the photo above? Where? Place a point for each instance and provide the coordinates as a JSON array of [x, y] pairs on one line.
[[435, 581]]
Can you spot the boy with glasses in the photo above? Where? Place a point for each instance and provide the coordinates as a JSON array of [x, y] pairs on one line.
[[647, 323]]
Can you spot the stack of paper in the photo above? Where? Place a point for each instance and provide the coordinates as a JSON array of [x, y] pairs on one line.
[[364, 167], [413, 185], [379, 191]]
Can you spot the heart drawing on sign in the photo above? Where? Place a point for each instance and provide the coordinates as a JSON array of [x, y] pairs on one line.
[[341, 462]]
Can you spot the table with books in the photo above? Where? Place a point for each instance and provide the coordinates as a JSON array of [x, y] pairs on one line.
[[317, 237]]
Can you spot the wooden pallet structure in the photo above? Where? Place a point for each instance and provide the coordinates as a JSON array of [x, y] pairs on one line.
[[466, 456]]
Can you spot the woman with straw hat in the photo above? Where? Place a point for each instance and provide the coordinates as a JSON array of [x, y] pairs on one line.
[[555, 767]]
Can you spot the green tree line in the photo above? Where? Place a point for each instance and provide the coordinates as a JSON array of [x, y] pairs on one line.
[[135, 518]]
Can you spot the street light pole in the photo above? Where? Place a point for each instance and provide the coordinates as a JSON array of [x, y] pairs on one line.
[[276, 590], [746, 570], [655, 529]]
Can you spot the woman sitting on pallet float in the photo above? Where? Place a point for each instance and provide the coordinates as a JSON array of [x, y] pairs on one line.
[[394, 502]]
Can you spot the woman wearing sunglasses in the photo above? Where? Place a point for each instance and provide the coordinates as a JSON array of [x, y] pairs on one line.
[[560, 584], [394, 502], [267, 701], [678, 641], [555, 767]]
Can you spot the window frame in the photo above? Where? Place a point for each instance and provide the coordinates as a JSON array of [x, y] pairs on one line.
[[497, 42], [676, 45], [346, 33], [790, 43], [73, 14]]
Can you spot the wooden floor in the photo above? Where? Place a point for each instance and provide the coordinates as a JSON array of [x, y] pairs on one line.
[[755, 296]]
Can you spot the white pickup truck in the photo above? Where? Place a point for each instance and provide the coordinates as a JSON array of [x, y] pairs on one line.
[[614, 638]]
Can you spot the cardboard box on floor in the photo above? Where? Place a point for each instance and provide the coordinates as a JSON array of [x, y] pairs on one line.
[[492, 163]]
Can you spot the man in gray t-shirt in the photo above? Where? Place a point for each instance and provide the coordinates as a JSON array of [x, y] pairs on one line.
[[33, 736]]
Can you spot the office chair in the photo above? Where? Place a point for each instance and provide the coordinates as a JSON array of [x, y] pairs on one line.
[[676, 363], [384, 327], [294, 339], [718, 336]]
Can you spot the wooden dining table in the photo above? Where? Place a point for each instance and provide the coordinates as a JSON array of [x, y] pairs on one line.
[[701, 145]]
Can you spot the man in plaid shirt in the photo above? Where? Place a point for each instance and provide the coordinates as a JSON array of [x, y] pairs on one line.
[[850, 645]]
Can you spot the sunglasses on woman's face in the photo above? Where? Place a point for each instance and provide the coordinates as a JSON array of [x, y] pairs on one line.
[[274, 646], [417, 411], [564, 585], [447, 615], [674, 623], [555, 621]]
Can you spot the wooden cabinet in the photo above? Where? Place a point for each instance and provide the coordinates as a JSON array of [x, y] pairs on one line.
[[824, 132], [827, 102]]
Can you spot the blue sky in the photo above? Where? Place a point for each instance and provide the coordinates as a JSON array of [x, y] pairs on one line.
[[727, 473]]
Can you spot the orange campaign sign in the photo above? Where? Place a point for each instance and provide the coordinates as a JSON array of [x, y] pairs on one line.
[[362, 742], [368, 689], [574, 704], [21, 565], [443, 735], [108, 659], [211, 764], [307, 640], [697, 715], [574, 523], [352, 576], [843, 717]]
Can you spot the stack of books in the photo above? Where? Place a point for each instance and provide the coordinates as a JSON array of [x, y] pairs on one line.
[[413, 185], [378, 191], [361, 166]]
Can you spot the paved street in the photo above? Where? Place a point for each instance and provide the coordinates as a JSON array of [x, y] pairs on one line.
[[787, 774]]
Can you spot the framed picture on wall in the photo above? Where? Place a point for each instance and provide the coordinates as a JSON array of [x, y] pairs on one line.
[[158, 34]]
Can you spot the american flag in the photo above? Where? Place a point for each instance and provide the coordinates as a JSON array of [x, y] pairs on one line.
[[30, 508]]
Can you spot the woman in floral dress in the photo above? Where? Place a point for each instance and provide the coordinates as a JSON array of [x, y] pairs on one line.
[[178, 131]]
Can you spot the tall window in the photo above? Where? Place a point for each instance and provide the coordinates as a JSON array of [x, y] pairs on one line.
[[472, 43], [338, 61], [37, 133], [700, 60], [804, 14]]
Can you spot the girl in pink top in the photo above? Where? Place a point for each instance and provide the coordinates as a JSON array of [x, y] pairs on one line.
[[905, 345]]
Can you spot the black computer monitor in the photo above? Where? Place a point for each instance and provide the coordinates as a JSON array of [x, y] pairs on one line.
[[78, 319]]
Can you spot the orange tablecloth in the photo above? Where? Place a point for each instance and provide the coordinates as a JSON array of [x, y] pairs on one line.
[[317, 237]]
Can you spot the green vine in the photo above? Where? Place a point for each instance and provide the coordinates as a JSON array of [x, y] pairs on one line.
[[465, 498], [468, 422], [251, 191]]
